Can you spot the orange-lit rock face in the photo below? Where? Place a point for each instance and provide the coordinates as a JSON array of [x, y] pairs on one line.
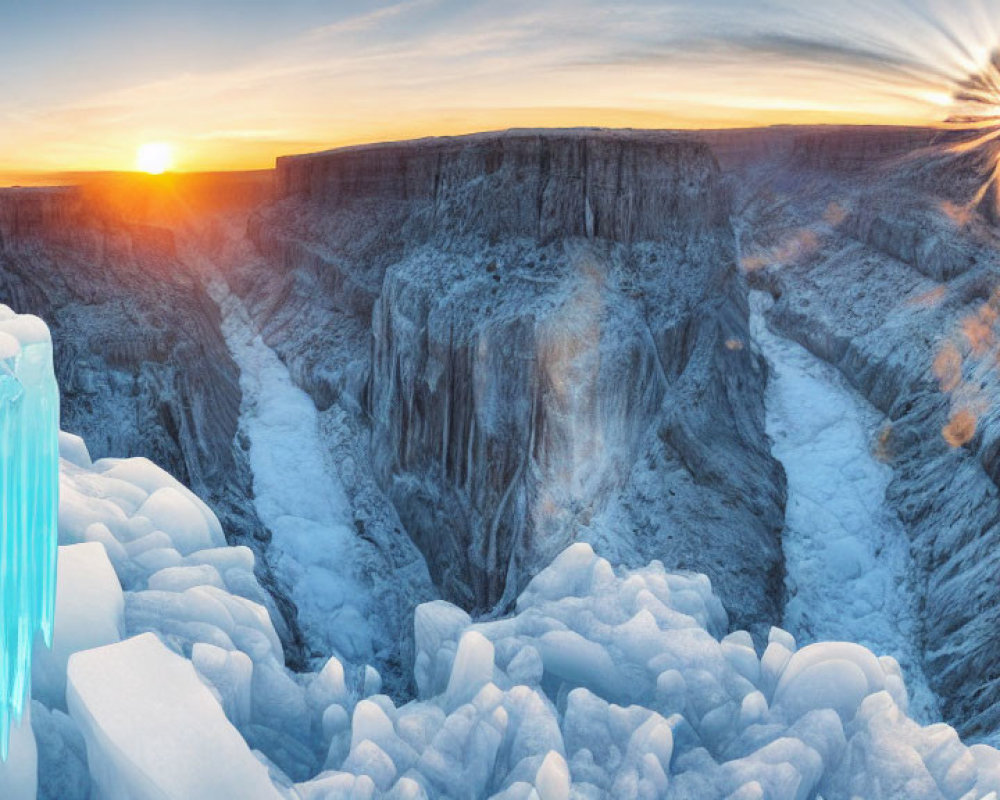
[[978, 330], [882, 448], [960, 428], [835, 214], [976, 337], [929, 299], [961, 215], [948, 367], [794, 247]]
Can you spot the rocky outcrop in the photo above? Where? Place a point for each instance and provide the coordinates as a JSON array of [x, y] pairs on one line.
[[618, 185], [92, 276], [945, 494], [557, 336], [895, 289], [849, 149], [139, 356], [912, 236], [345, 216]]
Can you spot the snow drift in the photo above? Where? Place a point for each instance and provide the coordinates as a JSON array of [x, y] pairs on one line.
[[603, 682]]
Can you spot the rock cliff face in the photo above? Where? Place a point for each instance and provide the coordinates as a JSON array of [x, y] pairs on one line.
[[139, 356], [838, 148], [848, 149], [889, 274], [548, 335], [521, 339], [617, 185]]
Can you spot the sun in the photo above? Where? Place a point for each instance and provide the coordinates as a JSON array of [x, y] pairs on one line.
[[154, 158]]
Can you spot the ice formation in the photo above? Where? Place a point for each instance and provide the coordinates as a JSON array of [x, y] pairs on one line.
[[29, 483], [603, 682], [89, 608], [127, 696]]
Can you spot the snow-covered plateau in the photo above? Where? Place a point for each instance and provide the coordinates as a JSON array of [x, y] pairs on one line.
[[473, 468]]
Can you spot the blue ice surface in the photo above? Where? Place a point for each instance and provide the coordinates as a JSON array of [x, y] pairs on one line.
[[29, 508]]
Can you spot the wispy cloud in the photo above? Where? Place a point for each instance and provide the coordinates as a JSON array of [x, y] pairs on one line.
[[427, 66], [372, 19]]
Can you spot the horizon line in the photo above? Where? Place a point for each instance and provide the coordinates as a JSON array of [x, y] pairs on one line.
[[33, 178]]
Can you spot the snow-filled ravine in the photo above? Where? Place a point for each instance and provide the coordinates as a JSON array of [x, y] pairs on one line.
[[166, 681], [314, 550], [846, 552]]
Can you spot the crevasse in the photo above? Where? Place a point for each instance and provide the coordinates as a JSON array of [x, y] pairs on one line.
[[29, 504]]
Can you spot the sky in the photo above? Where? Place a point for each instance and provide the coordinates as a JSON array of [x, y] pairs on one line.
[[231, 84]]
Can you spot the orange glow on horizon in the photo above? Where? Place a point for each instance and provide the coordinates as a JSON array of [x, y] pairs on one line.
[[235, 152], [412, 68]]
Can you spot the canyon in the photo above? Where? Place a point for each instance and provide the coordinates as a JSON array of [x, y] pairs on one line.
[[502, 344]]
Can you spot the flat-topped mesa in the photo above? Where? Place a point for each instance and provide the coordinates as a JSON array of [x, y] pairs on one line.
[[32, 212], [78, 218], [547, 319], [853, 148], [624, 186], [839, 148]]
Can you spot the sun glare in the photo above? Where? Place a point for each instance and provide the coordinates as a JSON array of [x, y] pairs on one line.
[[154, 158]]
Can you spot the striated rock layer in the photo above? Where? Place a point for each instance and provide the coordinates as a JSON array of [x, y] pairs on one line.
[[620, 185], [139, 356], [546, 330], [531, 337], [890, 275]]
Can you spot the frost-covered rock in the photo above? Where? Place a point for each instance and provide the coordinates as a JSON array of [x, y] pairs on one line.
[[142, 366], [883, 267], [536, 325]]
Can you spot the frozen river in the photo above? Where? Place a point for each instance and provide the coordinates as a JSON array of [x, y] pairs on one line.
[[846, 552]]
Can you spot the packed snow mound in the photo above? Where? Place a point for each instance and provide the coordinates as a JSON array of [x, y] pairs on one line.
[[604, 682], [154, 730], [613, 683], [89, 608]]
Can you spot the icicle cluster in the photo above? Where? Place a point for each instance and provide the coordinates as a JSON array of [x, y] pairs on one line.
[[29, 504]]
